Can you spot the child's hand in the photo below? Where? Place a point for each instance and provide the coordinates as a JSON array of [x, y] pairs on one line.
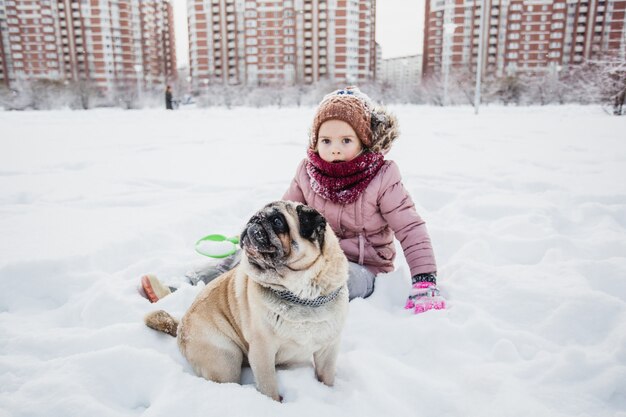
[[424, 294]]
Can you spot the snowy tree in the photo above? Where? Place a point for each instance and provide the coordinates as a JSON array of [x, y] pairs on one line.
[[509, 89], [84, 93], [610, 75]]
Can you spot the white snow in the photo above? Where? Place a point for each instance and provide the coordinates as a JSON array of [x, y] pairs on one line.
[[216, 249], [526, 208]]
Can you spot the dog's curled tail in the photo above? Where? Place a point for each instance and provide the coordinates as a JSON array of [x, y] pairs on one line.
[[162, 321]]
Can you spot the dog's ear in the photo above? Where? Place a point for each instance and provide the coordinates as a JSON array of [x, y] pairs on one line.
[[312, 224]]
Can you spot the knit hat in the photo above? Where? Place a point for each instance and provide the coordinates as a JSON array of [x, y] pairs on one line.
[[375, 126]]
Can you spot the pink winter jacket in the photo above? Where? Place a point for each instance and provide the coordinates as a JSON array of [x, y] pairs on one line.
[[366, 227]]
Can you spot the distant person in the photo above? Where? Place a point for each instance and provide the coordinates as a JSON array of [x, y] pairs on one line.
[[169, 105], [618, 104], [346, 178]]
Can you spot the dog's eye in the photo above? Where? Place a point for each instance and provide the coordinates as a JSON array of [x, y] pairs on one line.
[[277, 222]]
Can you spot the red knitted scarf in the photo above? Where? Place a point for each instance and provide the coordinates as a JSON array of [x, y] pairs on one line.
[[343, 182]]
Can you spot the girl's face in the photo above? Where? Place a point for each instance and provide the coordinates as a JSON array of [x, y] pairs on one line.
[[338, 142]]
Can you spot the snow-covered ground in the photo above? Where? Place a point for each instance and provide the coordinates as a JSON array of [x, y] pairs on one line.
[[527, 212]]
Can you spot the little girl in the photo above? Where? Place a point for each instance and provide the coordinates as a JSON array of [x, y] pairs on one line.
[[346, 178]]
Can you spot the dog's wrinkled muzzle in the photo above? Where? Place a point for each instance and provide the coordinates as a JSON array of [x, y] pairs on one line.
[[260, 240]]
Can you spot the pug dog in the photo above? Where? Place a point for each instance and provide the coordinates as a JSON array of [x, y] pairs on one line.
[[285, 304]]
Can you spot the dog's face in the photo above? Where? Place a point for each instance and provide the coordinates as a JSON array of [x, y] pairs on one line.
[[283, 235]]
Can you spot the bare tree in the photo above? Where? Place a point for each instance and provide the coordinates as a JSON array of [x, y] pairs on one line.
[[611, 76], [84, 93]]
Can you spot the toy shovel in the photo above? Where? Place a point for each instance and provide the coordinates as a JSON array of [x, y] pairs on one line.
[[217, 246]]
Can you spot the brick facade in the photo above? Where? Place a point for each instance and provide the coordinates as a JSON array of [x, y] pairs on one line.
[[523, 35]]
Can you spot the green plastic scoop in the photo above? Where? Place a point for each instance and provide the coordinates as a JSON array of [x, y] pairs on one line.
[[217, 246]]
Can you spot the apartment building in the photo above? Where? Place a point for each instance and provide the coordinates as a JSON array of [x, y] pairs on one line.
[[402, 71], [115, 44], [522, 35], [281, 42]]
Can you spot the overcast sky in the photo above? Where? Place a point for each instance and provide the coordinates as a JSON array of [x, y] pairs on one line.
[[399, 28]]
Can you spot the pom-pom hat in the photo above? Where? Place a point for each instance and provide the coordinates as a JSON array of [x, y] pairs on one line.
[[375, 126]]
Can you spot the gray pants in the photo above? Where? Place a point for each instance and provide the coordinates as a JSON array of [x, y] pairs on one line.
[[360, 279]]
